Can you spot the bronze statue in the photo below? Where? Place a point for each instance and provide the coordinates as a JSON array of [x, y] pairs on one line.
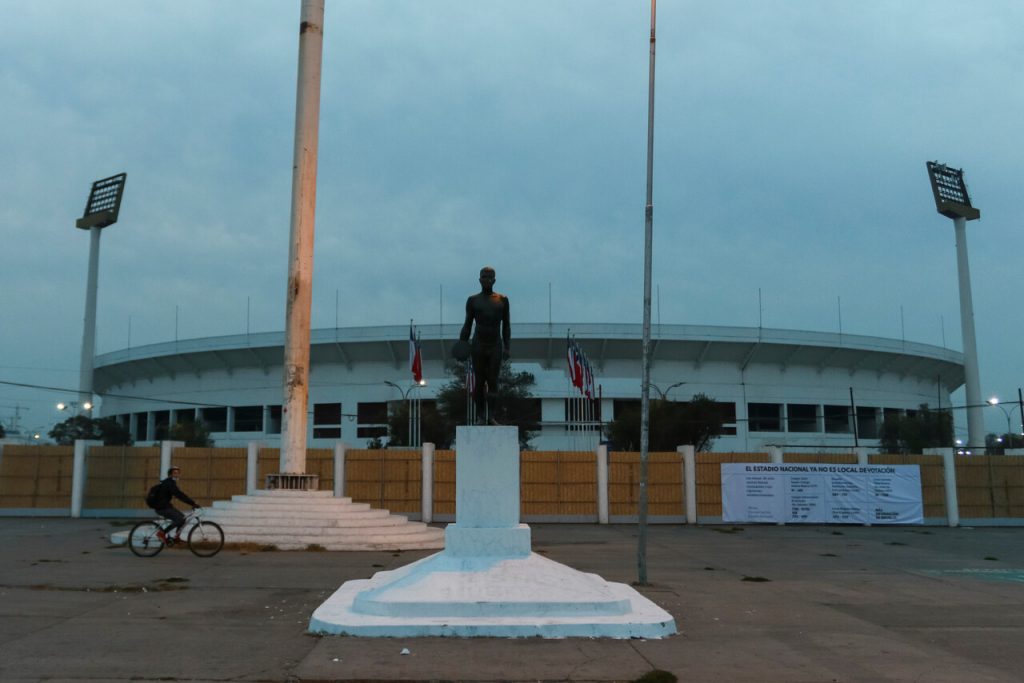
[[490, 344]]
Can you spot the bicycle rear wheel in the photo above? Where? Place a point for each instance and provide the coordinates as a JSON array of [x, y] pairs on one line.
[[143, 541], [206, 539]]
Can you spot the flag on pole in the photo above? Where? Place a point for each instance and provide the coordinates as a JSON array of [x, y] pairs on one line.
[[470, 378], [415, 355]]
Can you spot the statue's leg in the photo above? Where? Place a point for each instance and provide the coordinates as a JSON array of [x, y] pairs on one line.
[[480, 360], [493, 371]]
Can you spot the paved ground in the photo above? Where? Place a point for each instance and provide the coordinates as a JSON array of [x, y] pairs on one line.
[[754, 603]]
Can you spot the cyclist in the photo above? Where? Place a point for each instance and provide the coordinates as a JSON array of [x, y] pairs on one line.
[[159, 499]]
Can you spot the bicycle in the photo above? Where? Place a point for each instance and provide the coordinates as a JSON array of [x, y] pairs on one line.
[[205, 538]]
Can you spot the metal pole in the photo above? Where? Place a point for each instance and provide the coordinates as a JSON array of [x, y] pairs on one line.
[[300, 252], [645, 390], [972, 383], [89, 322], [1020, 403]]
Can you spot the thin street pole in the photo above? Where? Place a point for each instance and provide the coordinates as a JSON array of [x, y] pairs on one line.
[[1020, 402], [972, 382], [294, 418], [645, 388], [89, 321]]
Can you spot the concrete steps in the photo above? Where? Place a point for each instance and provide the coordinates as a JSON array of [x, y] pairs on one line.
[[299, 519]]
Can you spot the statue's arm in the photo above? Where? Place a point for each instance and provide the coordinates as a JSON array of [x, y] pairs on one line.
[[506, 330], [467, 326]]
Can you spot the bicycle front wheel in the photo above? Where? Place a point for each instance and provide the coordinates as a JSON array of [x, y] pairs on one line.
[[143, 541], [206, 539]]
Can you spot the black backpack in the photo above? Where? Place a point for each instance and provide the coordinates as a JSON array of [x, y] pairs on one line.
[[155, 497]]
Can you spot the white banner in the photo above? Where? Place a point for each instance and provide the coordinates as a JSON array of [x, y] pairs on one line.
[[821, 493]]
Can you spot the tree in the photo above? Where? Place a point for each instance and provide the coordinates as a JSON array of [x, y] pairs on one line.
[[105, 429], [997, 444], [195, 434], [697, 422], [433, 426], [3, 432], [516, 407], [920, 429]]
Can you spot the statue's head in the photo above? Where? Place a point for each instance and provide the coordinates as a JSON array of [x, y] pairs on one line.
[[487, 277]]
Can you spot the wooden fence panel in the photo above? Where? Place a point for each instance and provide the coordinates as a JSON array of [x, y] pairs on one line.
[[823, 458], [118, 477], [709, 479], [990, 486], [664, 484], [444, 482], [209, 474], [558, 483], [36, 476], [385, 478]]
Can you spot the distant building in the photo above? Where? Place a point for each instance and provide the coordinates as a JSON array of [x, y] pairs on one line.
[[777, 387]]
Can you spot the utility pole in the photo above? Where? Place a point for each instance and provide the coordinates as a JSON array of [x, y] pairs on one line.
[[294, 417], [645, 388]]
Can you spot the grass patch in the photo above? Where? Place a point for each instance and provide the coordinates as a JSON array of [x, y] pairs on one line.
[[249, 547], [755, 579], [657, 676], [157, 587], [727, 530], [991, 558], [827, 555], [315, 548], [895, 543]]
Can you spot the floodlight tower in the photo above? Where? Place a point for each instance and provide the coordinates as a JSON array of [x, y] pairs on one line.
[[101, 210], [953, 201]]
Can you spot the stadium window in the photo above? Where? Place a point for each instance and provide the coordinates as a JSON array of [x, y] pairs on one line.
[[161, 423], [582, 414], [141, 426], [728, 417], [372, 420], [764, 417], [327, 414], [248, 418], [327, 421], [867, 422], [837, 419], [273, 419], [186, 416], [216, 419], [801, 417]]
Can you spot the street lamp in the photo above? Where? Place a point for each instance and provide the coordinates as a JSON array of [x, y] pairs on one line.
[[664, 394], [413, 408], [101, 210], [953, 201], [73, 406], [994, 402]]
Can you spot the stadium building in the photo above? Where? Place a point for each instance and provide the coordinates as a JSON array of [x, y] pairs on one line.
[[776, 387]]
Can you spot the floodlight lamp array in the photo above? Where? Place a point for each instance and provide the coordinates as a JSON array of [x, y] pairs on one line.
[[104, 203], [951, 197]]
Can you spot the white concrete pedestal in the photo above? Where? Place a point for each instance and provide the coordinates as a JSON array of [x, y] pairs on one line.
[[486, 582]]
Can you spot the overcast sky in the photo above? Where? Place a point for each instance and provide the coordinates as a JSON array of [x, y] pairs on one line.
[[790, 147]]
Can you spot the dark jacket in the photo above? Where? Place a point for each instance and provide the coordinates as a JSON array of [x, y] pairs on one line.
[[168, 489]]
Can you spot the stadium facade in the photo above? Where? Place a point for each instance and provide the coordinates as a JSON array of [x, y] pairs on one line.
[[776, 387]]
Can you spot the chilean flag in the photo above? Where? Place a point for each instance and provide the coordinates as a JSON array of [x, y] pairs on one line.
[[415, 356]]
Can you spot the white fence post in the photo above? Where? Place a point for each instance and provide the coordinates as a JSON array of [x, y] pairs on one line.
[[689, 454], [862, 455], [166, 451], [78, 471], [252, 456], [952, 502], [775, 457], [427, 477], [602, 484], [339, 469]]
